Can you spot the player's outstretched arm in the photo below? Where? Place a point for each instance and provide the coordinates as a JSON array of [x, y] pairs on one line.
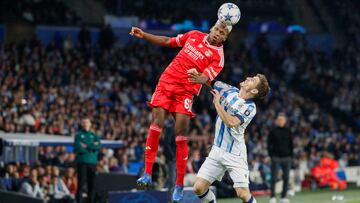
[[229, 120], [156, 39]]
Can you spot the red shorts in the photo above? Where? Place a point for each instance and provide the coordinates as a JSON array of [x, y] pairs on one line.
[[172, 97]]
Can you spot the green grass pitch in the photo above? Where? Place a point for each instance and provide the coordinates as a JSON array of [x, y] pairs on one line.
[[315, 196]]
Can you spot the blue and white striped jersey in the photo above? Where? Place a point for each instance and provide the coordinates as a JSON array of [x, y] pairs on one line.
[[232, 139]]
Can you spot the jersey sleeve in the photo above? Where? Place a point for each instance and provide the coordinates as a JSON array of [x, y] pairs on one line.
[[245, 112], [221, 86], [215, 67], [180, 39]]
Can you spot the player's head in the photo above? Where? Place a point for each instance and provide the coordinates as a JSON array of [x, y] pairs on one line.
[[281, 119], [257, 86], [219, 32], [86, 123]]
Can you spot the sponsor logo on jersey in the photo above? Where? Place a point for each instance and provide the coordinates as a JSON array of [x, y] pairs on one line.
[[226, 103], [193, 52]]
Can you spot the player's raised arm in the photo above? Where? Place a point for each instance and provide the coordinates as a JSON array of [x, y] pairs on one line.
[[228, 119], [156, 39]]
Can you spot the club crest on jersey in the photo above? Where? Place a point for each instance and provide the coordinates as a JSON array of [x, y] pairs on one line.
[[208, 53]]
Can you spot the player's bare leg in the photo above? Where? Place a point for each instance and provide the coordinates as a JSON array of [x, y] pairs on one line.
[[152, 143], [244, 194], [201, 189], [182, 151]]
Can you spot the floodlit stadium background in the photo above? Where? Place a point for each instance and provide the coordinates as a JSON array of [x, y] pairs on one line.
[[60, 59]]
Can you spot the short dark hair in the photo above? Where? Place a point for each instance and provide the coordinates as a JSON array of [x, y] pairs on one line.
[[281, 114], [263, 87], [85, 116]]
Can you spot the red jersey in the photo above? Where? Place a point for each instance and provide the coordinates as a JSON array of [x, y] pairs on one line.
[[196, 53]]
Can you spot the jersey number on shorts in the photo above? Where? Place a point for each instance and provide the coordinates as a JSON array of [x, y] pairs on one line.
[[187, 104]]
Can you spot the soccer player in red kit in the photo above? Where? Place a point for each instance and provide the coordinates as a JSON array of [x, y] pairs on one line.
[[174, 92]]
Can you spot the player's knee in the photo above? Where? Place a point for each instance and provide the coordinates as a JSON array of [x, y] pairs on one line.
[[199, 189], [158, 122], [181, 131], [243, 193], [181, 124], [158, 117]]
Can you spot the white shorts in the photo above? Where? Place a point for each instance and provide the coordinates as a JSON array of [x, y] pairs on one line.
[[220, 161]]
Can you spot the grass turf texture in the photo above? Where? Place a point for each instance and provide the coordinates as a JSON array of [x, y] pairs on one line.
[[314, 196]]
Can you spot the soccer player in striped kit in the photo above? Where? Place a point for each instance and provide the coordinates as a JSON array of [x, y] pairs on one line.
[[235, 108]]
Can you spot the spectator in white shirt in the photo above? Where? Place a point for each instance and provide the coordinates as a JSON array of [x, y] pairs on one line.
[[32, 187]]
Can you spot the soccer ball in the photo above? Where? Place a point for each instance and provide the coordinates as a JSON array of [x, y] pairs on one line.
[[229, 13]]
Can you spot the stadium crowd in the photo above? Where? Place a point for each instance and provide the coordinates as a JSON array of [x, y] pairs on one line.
[[150, 10], [45, 12], [347, 17], [46, 89], [52, 181]]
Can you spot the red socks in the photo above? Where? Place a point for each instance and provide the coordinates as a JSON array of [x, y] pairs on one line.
[[182, 152], [152, 143]]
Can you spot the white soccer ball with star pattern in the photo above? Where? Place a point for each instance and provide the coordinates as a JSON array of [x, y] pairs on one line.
[[229, 13]]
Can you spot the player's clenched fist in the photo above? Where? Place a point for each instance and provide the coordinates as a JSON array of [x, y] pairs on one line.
[[137, 32], [196, 77], [192, 71], [216, 94]]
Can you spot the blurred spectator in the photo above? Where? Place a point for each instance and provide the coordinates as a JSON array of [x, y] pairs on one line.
[[114, 165], [71, 180], [44, 186], [265, 170], [60, 160], [196, 161], [58, 190], [31, 186], [325, 173], [193, 166], [302, 169]]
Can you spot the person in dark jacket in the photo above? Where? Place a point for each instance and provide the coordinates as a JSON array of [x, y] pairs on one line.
[[169, 152], [87, 145], [280, 148]]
